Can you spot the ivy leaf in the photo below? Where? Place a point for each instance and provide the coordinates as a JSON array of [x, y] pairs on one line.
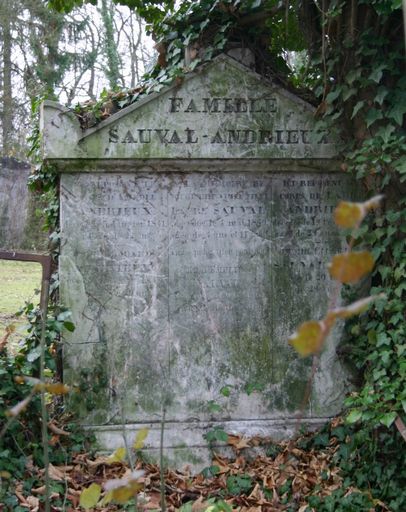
[[354, 416], [381, 95], [350, 268], [34, 354], [349, 92], [373, 115], [90, 496], [333, 95], [400, 165], [396, 113], [309, 338], [377, 73], [69, 326], [357, 108], [388, 418], [118, 456], [225, 391], [140, 438], [213, 406]]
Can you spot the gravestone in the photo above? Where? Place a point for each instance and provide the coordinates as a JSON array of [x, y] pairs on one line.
[[20, 226], [196, 226]]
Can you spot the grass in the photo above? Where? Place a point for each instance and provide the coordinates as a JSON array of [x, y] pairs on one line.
[[18, 284]]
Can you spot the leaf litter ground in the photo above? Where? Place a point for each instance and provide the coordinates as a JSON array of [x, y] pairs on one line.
[[250, 481]]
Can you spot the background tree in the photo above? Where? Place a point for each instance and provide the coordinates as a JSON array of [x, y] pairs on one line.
[[66, 57]]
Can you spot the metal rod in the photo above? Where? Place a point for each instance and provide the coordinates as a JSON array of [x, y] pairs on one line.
[[45, 261]]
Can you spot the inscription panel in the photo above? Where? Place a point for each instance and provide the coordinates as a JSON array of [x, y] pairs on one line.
[[183, 283], [223, 111]]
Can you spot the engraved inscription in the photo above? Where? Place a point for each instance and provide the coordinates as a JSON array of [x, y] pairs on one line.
[[224, 107], [189, 268]]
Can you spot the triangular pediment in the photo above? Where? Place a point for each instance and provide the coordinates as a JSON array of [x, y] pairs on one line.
[[222, 110]]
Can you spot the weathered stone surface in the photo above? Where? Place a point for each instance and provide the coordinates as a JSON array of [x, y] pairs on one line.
[[188, 260], [222, 111], [182, 284], [20, 226]]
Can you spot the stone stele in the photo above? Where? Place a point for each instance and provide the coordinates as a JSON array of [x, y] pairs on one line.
[[196, 226]]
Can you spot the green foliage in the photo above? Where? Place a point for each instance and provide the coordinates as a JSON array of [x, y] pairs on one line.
[[211, 505], [206, 28], [341, 501], [380, 351], [216, 435], [372, 465], [239, 484], [362, 88]]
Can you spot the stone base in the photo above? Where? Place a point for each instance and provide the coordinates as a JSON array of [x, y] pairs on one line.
[[184, 444]]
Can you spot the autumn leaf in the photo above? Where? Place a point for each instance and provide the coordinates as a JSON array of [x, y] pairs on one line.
[[309, 338], [90, 496], [351, 267], [350, 215], [118, 456], [107, 499], [56, 430], [140, 438], [55, 388], [123, 489]]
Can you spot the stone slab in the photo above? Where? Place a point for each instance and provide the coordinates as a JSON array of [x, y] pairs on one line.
[[183, 283], [20, 225]]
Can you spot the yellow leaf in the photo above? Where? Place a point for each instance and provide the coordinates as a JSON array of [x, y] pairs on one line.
[[90, 496], [140, 438], [123, 489], [351, 267], [124, 494], [5, 474], [57, 388], [117, 456], [348, 215], [308, 339], [107, 498]]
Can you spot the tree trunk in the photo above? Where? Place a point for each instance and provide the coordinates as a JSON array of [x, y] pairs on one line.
[[7, 116], [113, 59]]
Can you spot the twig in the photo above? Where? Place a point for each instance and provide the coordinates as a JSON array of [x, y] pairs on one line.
[[44, 426], [401, 427], [161, 462], [316, 357]]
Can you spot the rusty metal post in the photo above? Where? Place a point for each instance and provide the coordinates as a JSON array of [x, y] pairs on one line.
[[45, 261]]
